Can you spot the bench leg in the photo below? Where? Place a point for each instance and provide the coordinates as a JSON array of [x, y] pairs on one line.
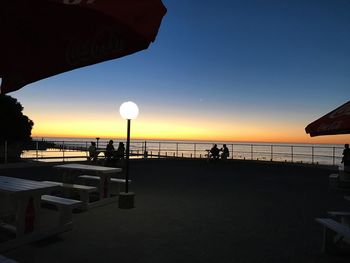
[[332, 241], [328, 245], [84, 197], [115, 188]]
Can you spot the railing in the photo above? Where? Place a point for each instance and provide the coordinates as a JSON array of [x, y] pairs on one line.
[[78, 150], [330, 155]]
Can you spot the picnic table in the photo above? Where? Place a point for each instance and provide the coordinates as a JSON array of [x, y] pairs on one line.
[[26, 197], [337, 226], [104, 174]]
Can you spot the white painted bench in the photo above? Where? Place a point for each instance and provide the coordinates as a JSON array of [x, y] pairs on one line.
[[83, 191], [342, 216], [339, 232], [6, 260], [115, 182], [64, 206]]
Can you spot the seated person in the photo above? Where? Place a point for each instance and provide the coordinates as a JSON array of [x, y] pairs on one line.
[[119, 154], [109, 154], [225, 152], [93, 152], [215, 152]]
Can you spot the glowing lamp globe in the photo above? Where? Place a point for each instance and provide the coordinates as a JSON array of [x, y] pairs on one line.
[[129, 110]]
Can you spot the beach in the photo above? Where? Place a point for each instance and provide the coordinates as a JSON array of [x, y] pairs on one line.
[[199, 211]]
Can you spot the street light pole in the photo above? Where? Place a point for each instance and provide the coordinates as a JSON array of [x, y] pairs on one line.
[[97, 139], [128, 110], [127, 157]]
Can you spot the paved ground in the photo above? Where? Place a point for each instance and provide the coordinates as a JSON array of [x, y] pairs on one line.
[[194, 211]]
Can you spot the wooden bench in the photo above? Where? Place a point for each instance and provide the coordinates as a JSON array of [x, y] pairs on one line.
[[6, 260], [64, 206], [332, 239], [115, 182], [83, 191]]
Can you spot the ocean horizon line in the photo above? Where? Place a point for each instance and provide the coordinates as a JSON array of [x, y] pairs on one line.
[[62, 138]]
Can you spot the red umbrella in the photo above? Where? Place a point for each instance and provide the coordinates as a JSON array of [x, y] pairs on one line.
[[41, 38], [335, 122]]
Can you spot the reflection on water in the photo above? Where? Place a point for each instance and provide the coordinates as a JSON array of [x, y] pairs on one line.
[[54, 155]]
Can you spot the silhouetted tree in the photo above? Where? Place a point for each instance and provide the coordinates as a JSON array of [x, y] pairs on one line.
[[16, 128]]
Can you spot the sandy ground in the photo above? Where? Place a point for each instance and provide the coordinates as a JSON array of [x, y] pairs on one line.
[[195, 211]]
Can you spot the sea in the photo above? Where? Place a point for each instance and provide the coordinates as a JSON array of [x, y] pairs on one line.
[[327, 154]]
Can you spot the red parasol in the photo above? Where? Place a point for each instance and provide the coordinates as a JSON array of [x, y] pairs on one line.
[[335, 122], [41, 38]]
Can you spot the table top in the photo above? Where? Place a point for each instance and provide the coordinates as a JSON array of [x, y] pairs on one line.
[[85, 167], [18, 185]]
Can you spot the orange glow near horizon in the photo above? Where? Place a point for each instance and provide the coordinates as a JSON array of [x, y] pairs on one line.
[[177, 130], [174, 126]]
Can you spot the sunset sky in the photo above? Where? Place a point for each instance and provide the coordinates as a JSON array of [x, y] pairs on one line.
[[228, 70]]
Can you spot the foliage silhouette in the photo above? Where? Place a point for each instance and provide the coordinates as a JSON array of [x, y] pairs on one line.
[[15, 129]]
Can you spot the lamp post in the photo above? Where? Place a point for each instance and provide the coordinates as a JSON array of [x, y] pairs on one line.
[[97, 139], [129, 111]]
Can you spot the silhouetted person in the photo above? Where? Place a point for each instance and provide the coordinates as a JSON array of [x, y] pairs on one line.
[[109, 154], [119, 154], [215, 152], [225, 152], [346, 158], [93, 152]]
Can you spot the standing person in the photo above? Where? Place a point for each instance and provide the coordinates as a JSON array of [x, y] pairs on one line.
[[93, 152], [215, 152], [346, 158], [225, 152], [109, 152]]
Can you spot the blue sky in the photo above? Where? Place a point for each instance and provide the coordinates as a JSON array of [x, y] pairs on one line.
[[249, 65]]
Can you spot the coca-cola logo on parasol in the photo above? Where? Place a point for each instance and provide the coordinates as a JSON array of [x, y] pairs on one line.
[[103, 45]]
